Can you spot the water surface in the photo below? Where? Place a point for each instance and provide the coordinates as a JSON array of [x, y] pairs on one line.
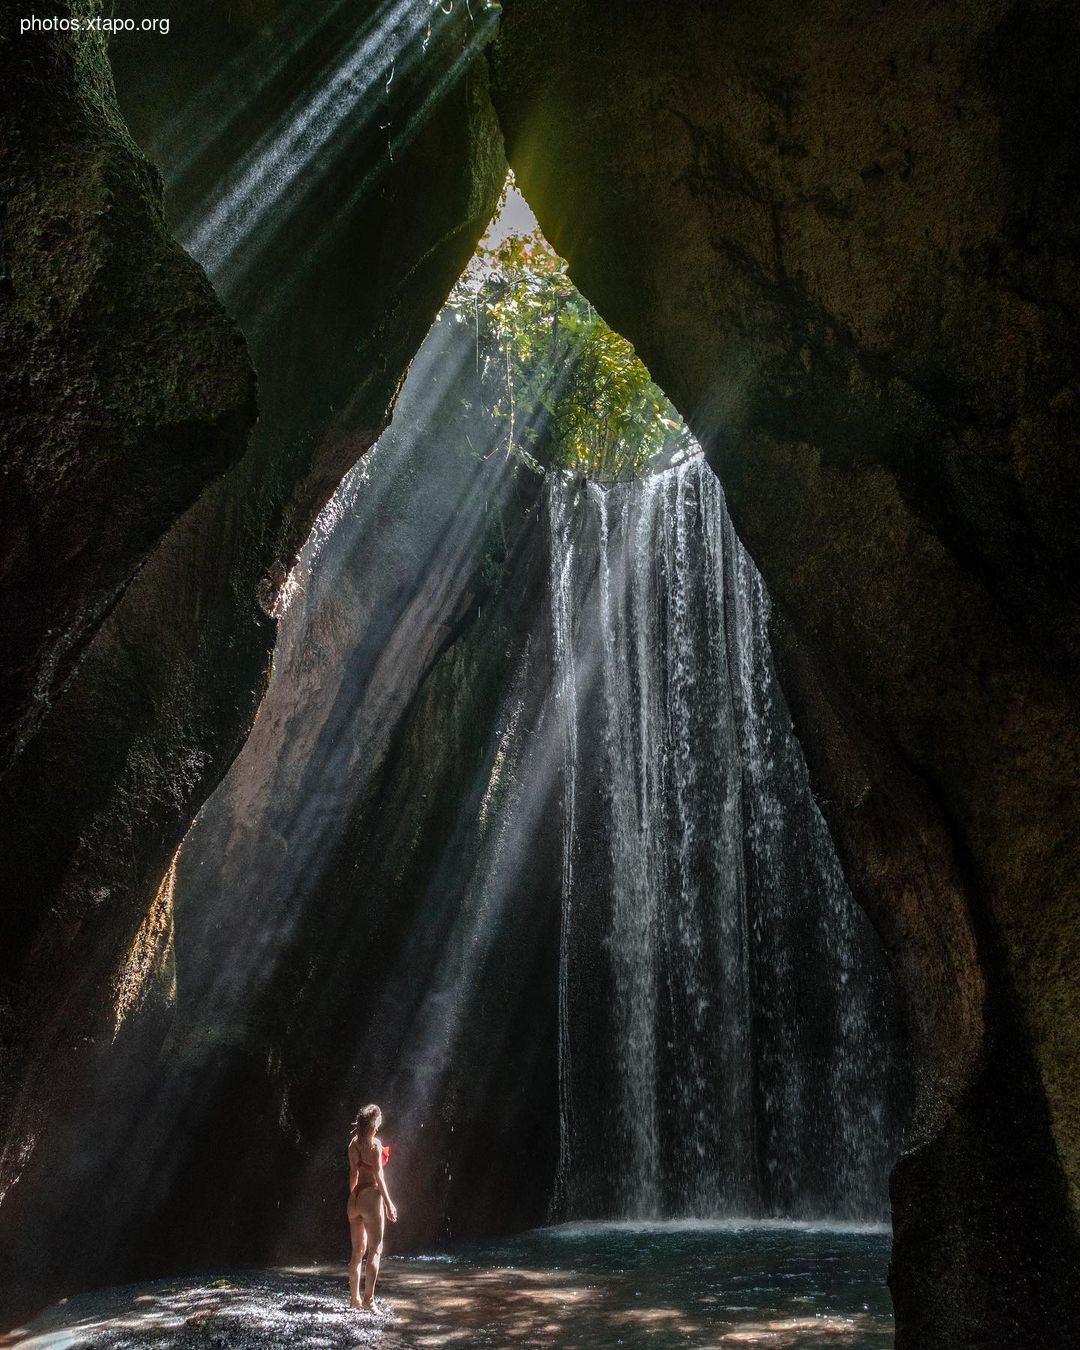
[[582, 1286], [693, 1283]]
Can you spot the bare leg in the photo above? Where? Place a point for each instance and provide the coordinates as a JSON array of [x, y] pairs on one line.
[[375, 1223], [358, 1234]]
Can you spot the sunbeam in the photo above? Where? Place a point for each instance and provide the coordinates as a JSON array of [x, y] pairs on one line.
[[383, 84]]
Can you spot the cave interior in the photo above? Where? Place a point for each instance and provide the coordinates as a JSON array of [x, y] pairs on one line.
[[363, 735]]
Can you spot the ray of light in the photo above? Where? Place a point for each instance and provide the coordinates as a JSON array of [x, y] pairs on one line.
[[270, 171], [207, 117]]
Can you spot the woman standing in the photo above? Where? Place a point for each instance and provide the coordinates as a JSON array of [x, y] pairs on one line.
[[369, 1203]]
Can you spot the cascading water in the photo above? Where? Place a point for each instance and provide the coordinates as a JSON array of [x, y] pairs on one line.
[[720, 993]]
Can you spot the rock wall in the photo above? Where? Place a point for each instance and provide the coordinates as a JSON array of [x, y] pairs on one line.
[[844, 241], [333, 907], [126, 388], [168, 684]]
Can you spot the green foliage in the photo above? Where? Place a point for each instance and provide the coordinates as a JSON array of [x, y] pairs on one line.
[[572, 392]]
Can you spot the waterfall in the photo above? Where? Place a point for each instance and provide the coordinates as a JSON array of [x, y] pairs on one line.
[[722, 1000], [561, 558]]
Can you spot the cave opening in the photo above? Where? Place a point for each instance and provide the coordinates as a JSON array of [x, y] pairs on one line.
[[522, 844]]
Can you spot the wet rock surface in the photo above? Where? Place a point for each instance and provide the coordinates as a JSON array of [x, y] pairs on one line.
[[244, 1311]]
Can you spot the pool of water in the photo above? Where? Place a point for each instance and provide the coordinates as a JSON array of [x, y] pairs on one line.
[[700, 1283], [582, 1286]]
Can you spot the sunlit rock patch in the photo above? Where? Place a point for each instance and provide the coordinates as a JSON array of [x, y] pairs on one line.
[[150, 956]]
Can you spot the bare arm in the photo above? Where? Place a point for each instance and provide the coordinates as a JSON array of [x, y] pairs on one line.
[[380, 1182]]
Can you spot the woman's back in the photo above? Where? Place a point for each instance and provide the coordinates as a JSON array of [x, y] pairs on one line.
[[364, 1159]]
